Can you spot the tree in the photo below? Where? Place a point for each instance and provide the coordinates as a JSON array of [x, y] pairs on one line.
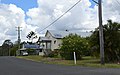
[[111, 41], [73, 43], [31, 35], [13, 50], [94, 43], [7, 44], [0, 50]]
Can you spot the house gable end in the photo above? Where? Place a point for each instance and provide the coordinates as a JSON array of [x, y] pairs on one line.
[[48, 33]]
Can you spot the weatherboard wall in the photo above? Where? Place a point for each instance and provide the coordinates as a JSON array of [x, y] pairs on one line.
[[55, 43]]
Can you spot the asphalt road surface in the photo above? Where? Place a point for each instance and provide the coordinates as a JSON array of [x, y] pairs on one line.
[[15, 66]]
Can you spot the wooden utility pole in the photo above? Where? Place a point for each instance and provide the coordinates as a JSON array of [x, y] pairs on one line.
[[101, 32], [19, 40]]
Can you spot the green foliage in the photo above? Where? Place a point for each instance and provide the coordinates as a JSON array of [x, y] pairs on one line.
[[13, 50], [73, 43], [54, 53], [111, 41], [5, 48], [31, 51], [86, 52], [94, 43]]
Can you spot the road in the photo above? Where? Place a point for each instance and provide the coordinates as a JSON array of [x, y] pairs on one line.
[[15, 66]]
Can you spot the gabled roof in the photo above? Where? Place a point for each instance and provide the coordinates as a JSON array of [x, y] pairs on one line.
[[61, 34], [57, 34]]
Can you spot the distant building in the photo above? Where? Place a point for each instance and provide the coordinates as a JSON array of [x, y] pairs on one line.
[[31, 49]]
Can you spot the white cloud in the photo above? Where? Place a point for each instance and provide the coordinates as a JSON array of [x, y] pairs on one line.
[[80, 17], [12, 16], [111, 10]]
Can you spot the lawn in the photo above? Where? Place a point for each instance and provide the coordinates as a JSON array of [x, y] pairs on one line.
[[86, 61]]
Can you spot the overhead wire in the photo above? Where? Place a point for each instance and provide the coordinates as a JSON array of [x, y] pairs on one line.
[[118, 2], [61, 16], [115, 5]]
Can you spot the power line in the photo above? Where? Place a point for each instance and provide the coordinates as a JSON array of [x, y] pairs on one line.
[[114, 7], [118, 2], [95, 1], [61, 16]]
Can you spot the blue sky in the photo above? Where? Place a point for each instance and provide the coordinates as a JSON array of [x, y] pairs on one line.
[[24, 4], [27, 4], [93, 4]]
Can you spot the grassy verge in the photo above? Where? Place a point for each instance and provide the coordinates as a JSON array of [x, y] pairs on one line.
[[87, 61], [33, 58]]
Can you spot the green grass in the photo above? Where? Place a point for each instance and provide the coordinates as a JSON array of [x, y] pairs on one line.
[[86, 61], [33, 58]]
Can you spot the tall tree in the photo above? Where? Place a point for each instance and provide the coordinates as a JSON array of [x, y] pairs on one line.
[[7, 44], [112, 41]]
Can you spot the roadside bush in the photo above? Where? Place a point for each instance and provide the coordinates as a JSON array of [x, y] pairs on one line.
[[31, 51], [70, 55], [73, 43], [54, 53]]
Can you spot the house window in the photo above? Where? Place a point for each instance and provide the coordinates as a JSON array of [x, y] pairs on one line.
[[55, 42]]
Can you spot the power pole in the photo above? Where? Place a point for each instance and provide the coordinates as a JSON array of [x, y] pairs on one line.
[[19, 40], [101, 32]]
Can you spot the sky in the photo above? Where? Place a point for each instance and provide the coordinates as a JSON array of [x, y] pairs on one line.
[[23, 4], [35, 15]]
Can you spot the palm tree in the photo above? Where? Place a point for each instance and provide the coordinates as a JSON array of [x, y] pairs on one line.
[[111, 41]]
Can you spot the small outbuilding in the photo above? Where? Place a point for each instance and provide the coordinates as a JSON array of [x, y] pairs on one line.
[[29, 49]]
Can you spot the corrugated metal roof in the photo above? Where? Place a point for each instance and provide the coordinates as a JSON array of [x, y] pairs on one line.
[[61, 34], [33, 46]]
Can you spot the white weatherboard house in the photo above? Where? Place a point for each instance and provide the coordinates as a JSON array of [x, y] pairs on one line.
[[52, 39]]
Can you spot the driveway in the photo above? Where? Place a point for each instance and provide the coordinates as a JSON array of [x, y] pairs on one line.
[[15, 66]]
